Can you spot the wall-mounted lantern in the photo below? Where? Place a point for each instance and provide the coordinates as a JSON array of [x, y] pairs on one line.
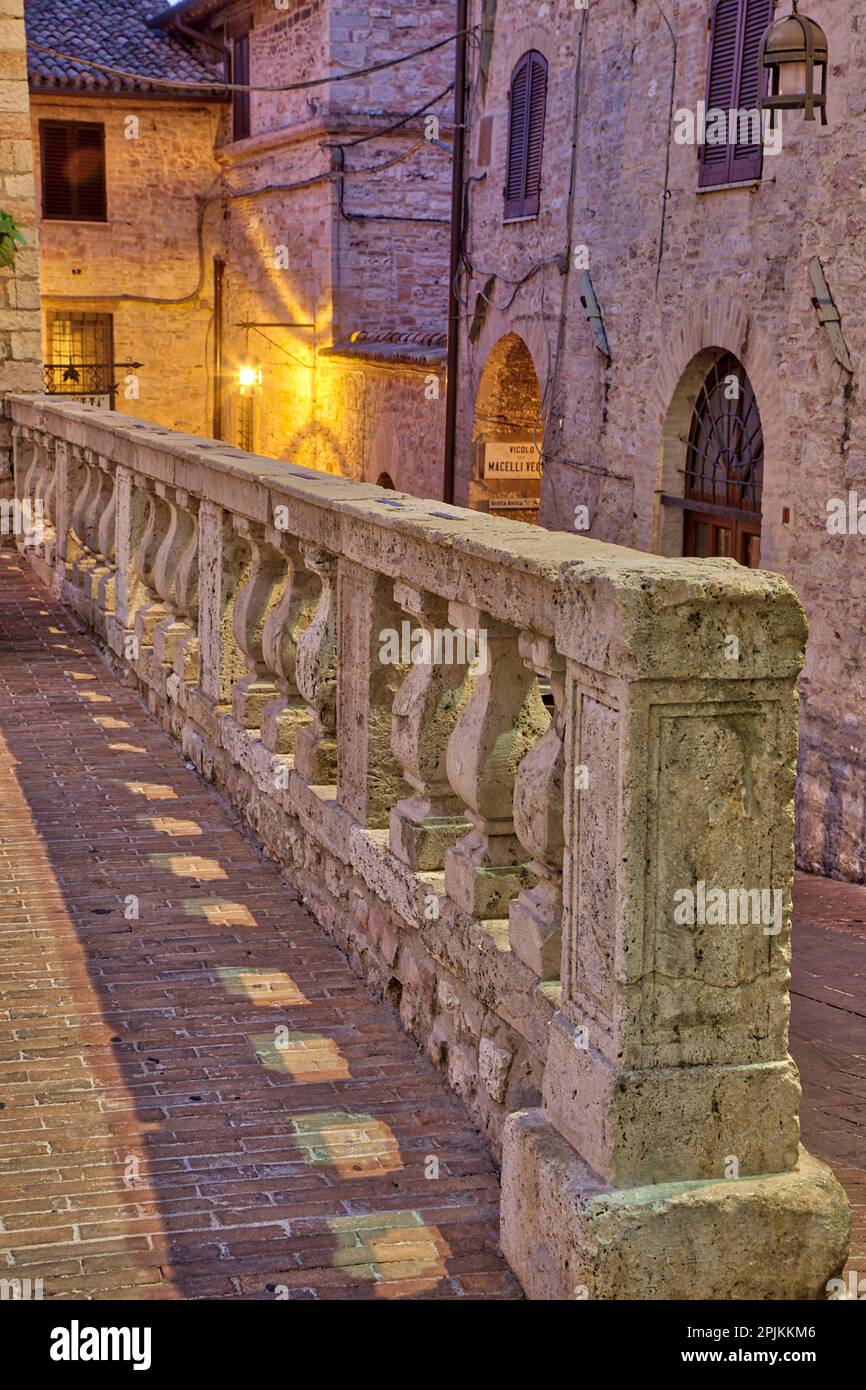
[[249, 376], [793, 60]]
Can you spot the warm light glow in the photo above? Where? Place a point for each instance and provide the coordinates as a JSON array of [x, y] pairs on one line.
[[792, 79], [249, 374]]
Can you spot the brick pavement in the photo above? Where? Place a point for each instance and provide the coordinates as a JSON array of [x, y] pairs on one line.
[[198, 1099], [828, 1034]]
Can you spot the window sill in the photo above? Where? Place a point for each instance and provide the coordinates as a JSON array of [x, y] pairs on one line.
[[530, 217], [74, 221], [724, 187]]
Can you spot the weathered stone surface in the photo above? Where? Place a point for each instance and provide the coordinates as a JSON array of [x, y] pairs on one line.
[[660, 1054], [568, 1236]]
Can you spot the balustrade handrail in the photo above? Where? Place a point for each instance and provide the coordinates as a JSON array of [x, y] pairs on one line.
[[414, 529]]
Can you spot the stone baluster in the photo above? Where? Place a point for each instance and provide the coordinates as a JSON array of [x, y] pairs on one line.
[[502, 719], [167, 571], [136, 550], [175, 639], [426, 709], [287, 621], [316, 675], [266, 577], [152, 610], [106, 536], [370, 670], [98, 578], [45, 500], [23, 450], [223, 569], [30, 520], [66, 474], [535, 916], [87, 488]]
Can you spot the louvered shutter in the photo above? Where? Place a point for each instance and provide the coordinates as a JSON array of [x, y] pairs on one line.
[[721, 76], [89, 162], [732, 85], [515, 177], [528, 102], [747, 158], [73, 170], [535, 133], [56, 151]]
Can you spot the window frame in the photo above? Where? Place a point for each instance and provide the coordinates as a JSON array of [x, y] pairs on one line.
[[100, 377], [75, 215], [724, 173], [526, 205]]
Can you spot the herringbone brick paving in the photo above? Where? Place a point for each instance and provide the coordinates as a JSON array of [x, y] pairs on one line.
[[198, 1099]]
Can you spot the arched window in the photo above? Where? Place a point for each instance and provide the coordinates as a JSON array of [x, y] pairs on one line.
[[724, 470], [527, 103], [727, 155]]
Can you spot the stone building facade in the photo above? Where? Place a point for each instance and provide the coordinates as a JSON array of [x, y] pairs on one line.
[[335, 232], [125, 267], [19, 283], [291, 229], [608, 326]]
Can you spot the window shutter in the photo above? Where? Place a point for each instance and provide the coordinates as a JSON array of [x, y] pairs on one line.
[[73, 170], [56, 153], [241, 100], [535, 133], [721, 74], [528, 101], [89, 162], [747, 159], [732, 84], [515, 178]]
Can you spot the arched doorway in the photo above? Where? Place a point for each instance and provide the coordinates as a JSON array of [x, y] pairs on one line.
[[723, 469], [506, 434]]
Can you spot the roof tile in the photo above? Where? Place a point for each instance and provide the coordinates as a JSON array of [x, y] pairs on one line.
[[114, 32]]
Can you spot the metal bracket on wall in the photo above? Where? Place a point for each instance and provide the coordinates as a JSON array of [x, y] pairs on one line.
[[593, 314], [828, 314]]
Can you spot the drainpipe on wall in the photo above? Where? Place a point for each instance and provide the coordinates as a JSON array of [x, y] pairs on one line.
[[219, 267], [456, 249]]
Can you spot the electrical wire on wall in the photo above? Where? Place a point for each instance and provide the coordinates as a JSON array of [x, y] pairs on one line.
[[220, 85]]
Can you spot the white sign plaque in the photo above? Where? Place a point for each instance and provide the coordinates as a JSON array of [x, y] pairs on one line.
[[511, 458]]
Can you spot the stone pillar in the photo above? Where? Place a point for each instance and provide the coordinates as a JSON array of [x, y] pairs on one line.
[[20, 330], [670, 1104]]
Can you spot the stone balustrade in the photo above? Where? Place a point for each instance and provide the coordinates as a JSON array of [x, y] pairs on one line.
[[508, 769]]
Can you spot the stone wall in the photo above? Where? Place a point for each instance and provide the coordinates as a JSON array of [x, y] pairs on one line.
[[161, 180], [362, 673], [678, 273], [364, 253], [20, 346]]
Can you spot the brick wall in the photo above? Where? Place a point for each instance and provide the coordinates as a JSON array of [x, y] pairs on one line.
[[732, 268], [377, 259], [20, 355], [157, 186]]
